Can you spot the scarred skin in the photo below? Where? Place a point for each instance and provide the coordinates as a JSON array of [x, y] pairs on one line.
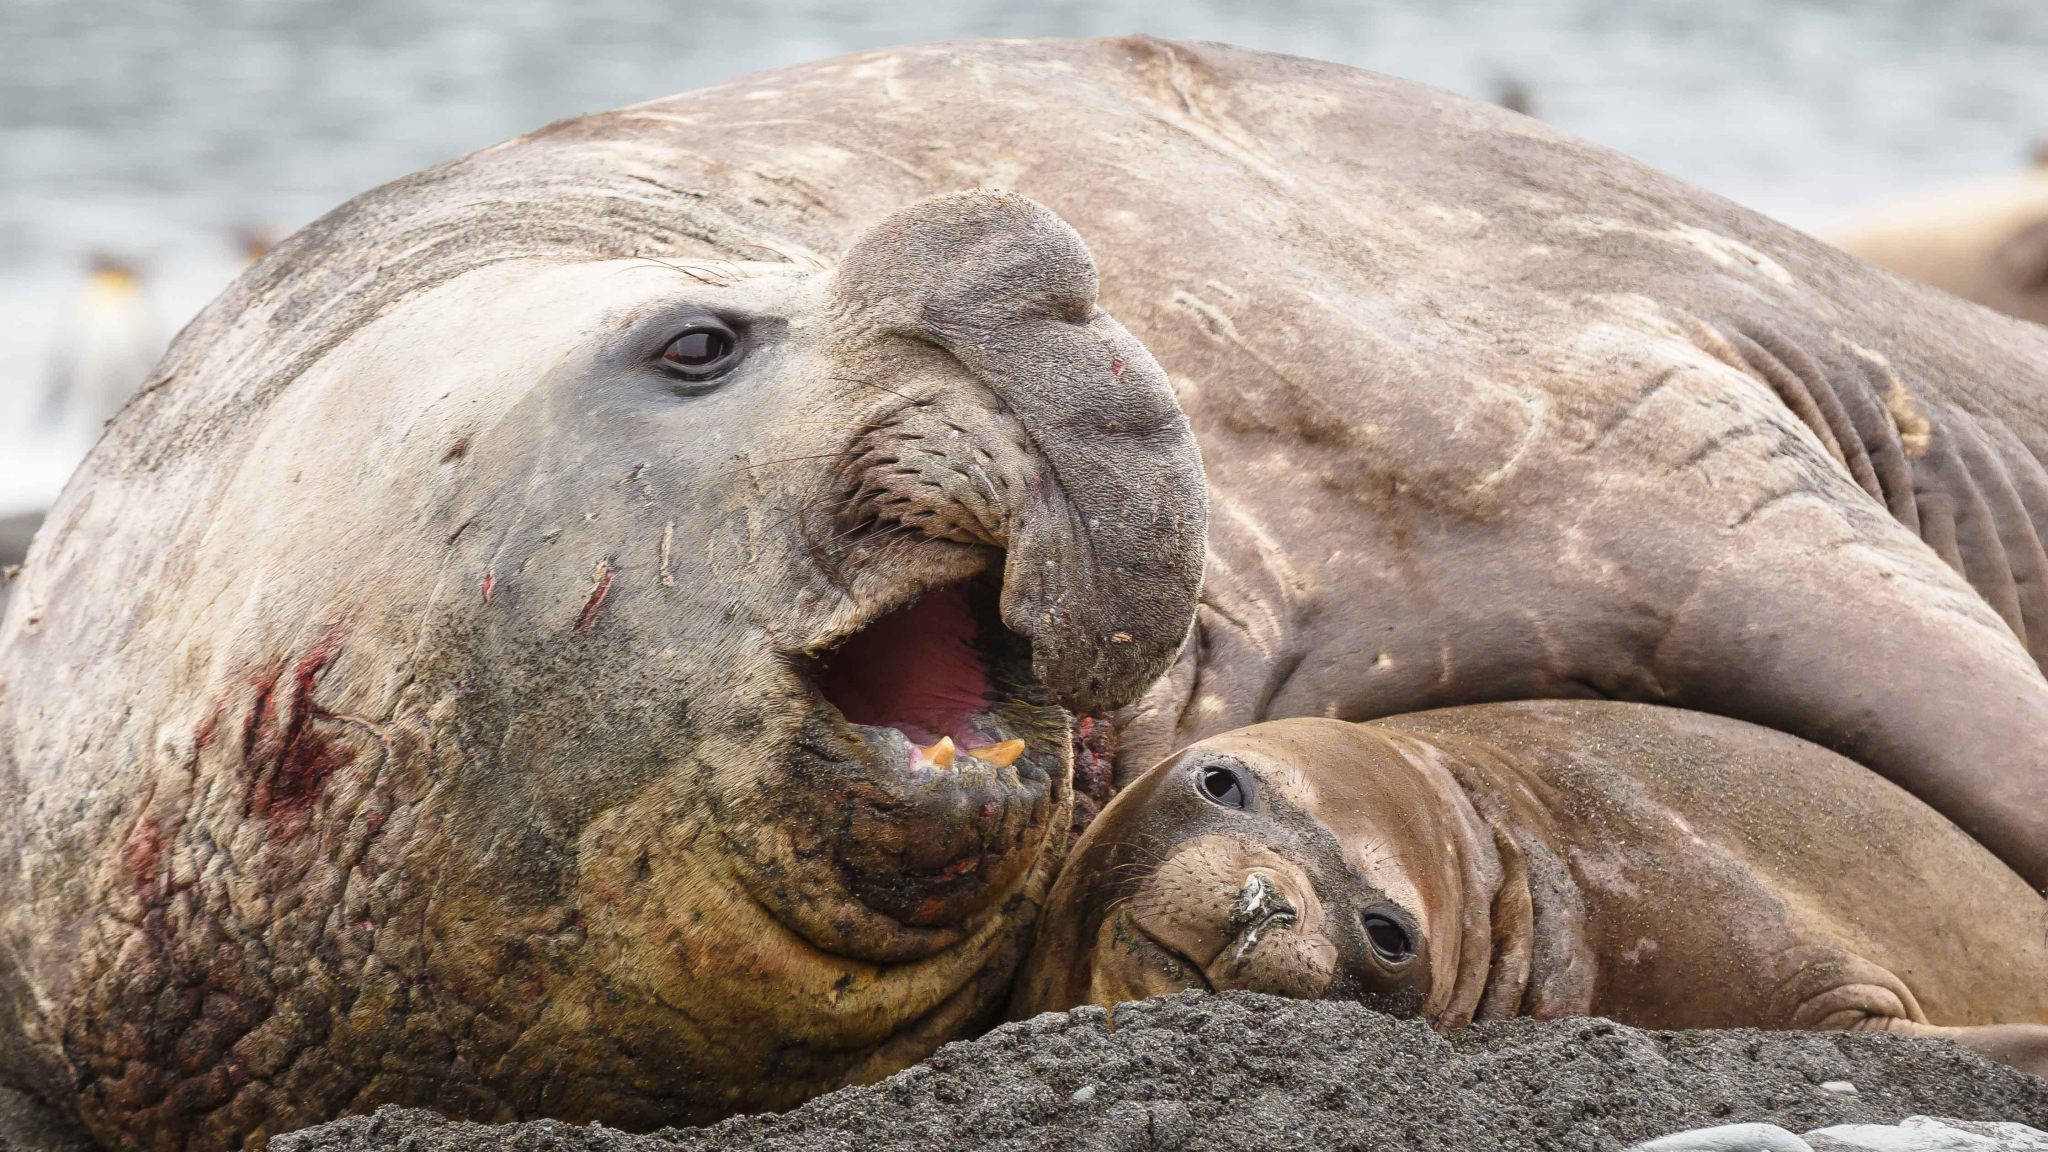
[[1663, 868], [1486, 412], [1985, 241]]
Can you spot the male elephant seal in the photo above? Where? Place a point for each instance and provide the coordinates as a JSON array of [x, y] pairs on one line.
[[602, 688], [1667, 869], [381, 606]]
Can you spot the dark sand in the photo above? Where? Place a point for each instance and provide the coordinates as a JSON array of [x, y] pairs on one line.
[[1243, 1072]]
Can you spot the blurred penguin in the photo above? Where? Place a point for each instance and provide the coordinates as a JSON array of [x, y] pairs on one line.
[[105, 345]]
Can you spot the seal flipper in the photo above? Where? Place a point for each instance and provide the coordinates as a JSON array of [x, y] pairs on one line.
[[1798, 584], [1860, 996], [2021, 1046]]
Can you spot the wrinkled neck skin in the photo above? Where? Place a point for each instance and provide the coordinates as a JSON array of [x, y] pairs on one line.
[[1418, 836], [1448, 828], [1541, 963]]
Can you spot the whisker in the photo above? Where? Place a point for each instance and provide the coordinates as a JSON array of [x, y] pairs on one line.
[[896, 528], [800, 509], [702, 274], [787, 460], [869, 427], [878, 388]]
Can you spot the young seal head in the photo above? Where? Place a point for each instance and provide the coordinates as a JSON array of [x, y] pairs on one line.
[[1230, 867]]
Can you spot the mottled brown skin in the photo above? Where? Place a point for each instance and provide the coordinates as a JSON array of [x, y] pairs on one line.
[[443, 724], [1985, 241], [1667, 869]]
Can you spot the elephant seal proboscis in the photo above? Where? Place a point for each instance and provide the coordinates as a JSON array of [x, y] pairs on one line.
[[1667, 869], [401, 704]]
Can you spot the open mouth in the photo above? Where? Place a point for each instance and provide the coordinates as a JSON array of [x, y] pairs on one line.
[[937, 763], [943, 684]]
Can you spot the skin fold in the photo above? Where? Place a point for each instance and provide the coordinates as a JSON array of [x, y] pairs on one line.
[[404, 597], [1666, 869]]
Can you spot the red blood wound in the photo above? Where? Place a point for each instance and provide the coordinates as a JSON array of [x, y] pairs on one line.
[[1094, 768], [595, 604], [287, 758], [140, 857]]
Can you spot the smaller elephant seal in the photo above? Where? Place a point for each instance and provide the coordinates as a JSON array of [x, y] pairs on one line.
[[1664, 868]]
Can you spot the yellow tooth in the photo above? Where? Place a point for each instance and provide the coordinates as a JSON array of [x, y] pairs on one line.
[[1001, 755], [939, 755]]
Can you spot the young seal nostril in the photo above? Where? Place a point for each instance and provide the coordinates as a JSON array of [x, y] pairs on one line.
[[1260, 906]]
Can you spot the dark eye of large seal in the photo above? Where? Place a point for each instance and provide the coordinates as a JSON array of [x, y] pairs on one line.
[[1390, 941], [704, 351], [1224, 786]]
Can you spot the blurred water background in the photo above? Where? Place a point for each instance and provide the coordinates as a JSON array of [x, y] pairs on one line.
[[157, 131]]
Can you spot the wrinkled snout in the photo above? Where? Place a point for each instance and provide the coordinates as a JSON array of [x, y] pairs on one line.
[[1219, 914], [1260, 906], [1103, 525]]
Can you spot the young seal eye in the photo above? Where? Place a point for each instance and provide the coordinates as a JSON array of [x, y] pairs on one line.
[[703, 351], [1221, 785], [1389, 940]]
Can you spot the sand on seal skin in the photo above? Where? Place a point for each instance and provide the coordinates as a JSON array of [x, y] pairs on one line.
[[1239, 1071]]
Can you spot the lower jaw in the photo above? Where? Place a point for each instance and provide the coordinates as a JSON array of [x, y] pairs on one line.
[[867, 856], [1140, 966]]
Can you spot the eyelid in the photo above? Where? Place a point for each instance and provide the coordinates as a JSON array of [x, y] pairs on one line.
[[1240, 782], [655, 331]]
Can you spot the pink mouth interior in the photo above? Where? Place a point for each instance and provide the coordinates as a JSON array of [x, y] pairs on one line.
[[916, 670]]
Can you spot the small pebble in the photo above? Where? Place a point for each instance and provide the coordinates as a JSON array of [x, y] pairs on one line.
[[1084, 1093], [1842, 1086]]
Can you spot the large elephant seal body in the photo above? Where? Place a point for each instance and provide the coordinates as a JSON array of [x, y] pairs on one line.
[[1985, 241], [1665, 868], [411, 700]]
